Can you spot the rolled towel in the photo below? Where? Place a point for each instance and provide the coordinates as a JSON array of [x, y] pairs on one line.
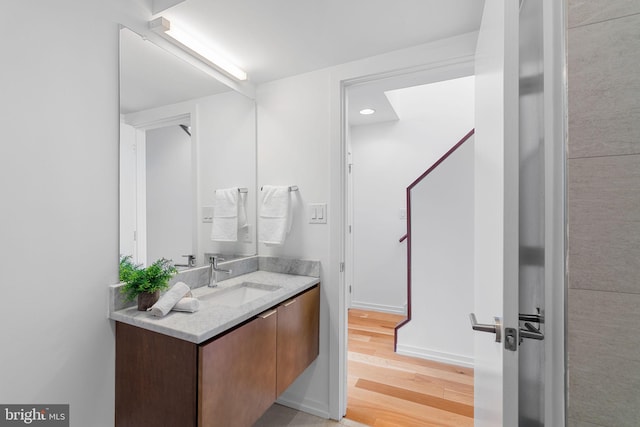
[[187, 304], [169, 299]]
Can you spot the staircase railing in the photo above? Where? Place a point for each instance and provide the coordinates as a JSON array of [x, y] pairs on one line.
[[407, 236]]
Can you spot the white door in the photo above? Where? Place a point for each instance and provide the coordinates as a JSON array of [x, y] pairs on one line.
[[496, 212]]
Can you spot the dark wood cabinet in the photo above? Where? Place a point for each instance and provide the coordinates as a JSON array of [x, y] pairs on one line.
[[298, 336], [237, 381], [156, 379], [231, 379]]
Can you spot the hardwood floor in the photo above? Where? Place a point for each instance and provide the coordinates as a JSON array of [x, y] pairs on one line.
[[386, 389]]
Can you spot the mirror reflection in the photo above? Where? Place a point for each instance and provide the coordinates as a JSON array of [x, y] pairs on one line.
[[184, 137]]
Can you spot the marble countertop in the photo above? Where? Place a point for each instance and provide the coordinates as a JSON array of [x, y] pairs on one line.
[[212, 318]]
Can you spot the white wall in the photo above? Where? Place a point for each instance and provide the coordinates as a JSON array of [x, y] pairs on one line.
[[169, 194], [293, 149], [381, 173], [442, 256], [299, 142], [227, 158], [387, 157], [59, 187]]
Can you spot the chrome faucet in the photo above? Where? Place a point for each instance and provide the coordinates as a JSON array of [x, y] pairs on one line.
[[191, 261], [213, 269]]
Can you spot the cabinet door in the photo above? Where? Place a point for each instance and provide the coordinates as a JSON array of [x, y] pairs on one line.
[[237, 379], [298, 336], [156, 379]]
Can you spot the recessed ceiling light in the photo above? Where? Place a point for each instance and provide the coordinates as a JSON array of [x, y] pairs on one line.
[[367, 111]]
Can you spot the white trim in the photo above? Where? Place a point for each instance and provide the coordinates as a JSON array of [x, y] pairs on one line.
[[555, 119], [378, 307], [436, 356], [166, 115], [140, 252], [310, 406]]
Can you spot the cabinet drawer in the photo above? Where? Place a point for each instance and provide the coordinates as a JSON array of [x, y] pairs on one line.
[[156, 379], [298, 336], [237, 378]]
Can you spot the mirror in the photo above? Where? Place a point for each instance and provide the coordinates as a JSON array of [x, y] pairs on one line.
[[183, 135]]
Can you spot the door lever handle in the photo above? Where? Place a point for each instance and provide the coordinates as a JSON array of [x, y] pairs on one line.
[[496, 328]]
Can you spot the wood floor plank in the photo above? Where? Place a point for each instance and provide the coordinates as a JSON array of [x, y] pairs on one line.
[[406, 379], [443, 375], [459, 396], [400, 412], [412, 396], [386, 389], [376, 315]]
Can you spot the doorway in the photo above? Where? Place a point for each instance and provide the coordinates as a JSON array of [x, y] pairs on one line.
[[554, 130], [418, 117], [385, 154], [157, 169]]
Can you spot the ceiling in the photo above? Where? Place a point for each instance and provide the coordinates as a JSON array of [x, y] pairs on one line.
[[435, 101], [379, 95], [280, 38]]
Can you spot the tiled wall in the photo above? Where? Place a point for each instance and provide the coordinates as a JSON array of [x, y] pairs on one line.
[[604, 213]]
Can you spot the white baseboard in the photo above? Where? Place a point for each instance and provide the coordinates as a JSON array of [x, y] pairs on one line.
[[378, 307], [313, 407], [436, 356]]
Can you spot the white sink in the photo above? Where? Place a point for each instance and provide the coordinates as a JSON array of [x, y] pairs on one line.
[[240, 294]]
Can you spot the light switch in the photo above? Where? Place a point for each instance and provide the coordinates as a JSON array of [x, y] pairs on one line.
[[207, 214], [317, 213]]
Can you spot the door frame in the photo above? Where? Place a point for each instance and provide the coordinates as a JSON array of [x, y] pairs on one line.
[[413, 59], [440, 71], [555, 136], [155, 118]]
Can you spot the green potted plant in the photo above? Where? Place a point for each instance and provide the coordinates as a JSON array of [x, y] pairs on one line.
[[145, 284]]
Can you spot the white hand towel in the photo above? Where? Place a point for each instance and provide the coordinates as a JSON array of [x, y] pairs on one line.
[[243, 223], [225, 215], [169, 299], [242, 211], [275, 215], [190, 305]]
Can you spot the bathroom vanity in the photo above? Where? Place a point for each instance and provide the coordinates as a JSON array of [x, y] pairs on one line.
[[223, 365]]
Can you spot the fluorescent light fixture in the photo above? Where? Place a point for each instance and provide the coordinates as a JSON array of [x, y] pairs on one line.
[[367, 111], [195, 47]]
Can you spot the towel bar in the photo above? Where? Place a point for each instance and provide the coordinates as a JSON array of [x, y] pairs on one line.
[[291, 188], [241, 190]]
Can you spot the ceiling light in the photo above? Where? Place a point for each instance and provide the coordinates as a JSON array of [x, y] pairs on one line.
[[367, 111], [195, 47]]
